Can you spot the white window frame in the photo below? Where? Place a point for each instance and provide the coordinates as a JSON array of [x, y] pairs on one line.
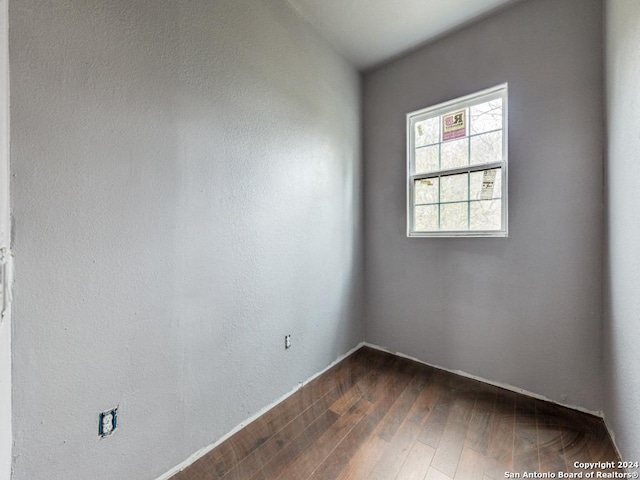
[[499, 91]]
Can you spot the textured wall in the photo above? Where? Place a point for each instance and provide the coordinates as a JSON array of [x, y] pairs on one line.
[[622, 271], [185, 181], [525, 310], [5, 322], [5, 399]]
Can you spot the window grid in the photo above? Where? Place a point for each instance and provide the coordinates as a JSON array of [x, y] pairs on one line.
[[469, 173], [470, 135], [471, 131], [471, 200]]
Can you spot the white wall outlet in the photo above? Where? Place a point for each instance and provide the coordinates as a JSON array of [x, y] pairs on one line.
[[287, 341], [108, 422]]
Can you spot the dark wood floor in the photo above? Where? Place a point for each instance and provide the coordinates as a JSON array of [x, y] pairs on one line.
[[378, 416]]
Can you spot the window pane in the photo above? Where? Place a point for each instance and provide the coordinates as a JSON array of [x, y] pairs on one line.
[[426, 218], [455, 153], [425, 191], [486, 116], [486, 184], [454, 216], [454, 188], [427, 131], [486, 148], [426, 159], [486, 215], [457, 165]]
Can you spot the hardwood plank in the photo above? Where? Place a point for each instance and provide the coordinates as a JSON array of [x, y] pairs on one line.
[[425, 403], [398, 412], [384, 363], [500, 448], [481, 421], [226, 456], [306, 464], [393, 457], [387, 391], [363, 460], [276, 443], [525, 456], [416, 465], [600, 446], [435, 424], [585, 439], [450, 447], [376, 416], [575, 446], [351, 396], [434, 474], [471, 465], [278, 464], [550, 446], [364, 463]]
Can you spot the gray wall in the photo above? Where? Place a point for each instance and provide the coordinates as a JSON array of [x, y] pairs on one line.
[[622, 267], [5, 319], [526, 310], [185, 179]]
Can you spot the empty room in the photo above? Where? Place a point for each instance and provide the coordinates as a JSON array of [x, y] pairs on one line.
[[319, 239]]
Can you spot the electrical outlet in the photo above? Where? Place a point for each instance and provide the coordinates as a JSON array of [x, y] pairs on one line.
[[287, 341], [108, 422]]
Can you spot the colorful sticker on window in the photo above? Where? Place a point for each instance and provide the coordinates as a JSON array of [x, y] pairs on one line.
[[454, 125]]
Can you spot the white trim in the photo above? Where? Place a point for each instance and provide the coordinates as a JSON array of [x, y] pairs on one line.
[[203, 451], [454, 171], [490, 382], [462, 102]]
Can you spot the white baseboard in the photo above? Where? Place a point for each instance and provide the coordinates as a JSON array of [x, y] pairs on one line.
[[490, 382], [203, 451]]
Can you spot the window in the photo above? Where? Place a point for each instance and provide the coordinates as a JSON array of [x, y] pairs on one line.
[[457, 167]]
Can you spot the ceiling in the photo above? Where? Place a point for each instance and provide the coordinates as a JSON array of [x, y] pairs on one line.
[[368, 32]]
